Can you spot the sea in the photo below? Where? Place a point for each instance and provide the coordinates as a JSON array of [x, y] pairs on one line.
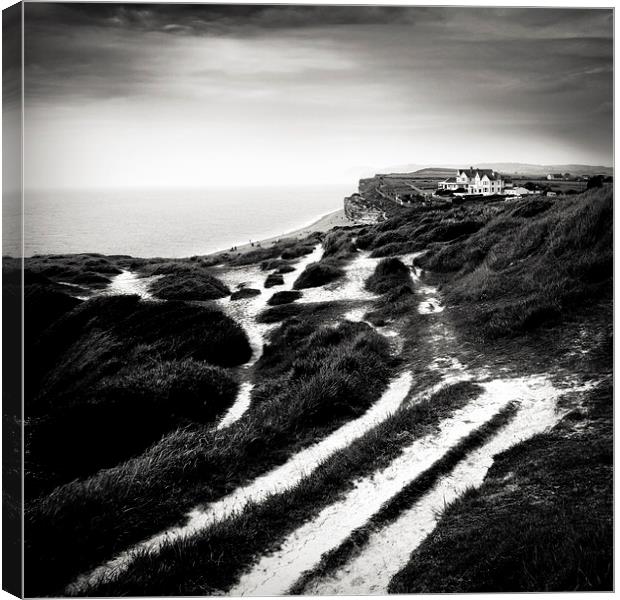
[[165, 223]]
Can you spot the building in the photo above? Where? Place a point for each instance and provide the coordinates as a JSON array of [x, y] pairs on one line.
[[557, 176], [485, 182], [519, 191]]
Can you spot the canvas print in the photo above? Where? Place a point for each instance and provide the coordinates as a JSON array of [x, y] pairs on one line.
[[317, 299]]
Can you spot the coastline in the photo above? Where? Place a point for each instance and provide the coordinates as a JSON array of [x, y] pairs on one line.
[[322, 225]]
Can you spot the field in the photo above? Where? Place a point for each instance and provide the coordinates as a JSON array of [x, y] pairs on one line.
[[419, 405]]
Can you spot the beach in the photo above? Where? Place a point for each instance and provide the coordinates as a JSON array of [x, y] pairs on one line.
[[325, 223]]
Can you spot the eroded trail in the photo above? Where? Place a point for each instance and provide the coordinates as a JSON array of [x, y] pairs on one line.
[[277, 481], [245, 312], [274, 574], [388, 549]]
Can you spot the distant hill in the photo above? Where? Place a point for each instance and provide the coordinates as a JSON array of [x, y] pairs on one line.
[[509, 168], [529, 169]]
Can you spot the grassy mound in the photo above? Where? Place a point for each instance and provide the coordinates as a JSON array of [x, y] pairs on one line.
[[297, 251], [121, 369], [274, 279], [286, 248], [285, 269], [244, 293], [120, 417], [281, 312], [186, 282], [103, 335], [338, 244], [75, 268], [275, 263], [318, 274], [285, 297], [389, 276]]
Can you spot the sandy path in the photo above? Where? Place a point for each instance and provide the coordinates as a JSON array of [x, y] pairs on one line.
[[245, 312], [388, 549], [275, 573]]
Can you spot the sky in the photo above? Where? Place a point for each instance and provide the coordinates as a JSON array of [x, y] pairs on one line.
[[171, 95]]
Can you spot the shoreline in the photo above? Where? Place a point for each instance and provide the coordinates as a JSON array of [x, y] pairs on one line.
[[322, 224]]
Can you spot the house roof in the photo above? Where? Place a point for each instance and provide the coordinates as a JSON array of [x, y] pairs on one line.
[[450, 180], [490, 173]]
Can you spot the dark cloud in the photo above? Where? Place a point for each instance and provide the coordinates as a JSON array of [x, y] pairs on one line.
[[524, 71], [214, 18]]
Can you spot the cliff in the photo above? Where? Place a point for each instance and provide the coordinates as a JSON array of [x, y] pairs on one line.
[[364, 209]]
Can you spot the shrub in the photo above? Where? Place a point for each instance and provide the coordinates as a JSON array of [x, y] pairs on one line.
[[285, 269], [338, 244], [390, 274], [285, 297], [297, 251], [187, 284], [244, 293], [318, 274], [274, 279], [270, 265]]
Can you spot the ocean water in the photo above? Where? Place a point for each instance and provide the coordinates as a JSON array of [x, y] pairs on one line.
[[166, 223]]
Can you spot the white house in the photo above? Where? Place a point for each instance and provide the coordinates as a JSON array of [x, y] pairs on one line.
[[475, 181]]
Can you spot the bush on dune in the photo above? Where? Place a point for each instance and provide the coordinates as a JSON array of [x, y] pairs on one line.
[[390, 274], [280, 312], [285, 297], [297, 251], [338, 244], [318, 274], [274, 279], [244, 293], [276, 263], [285, 269], [185, 282], [418, 227]]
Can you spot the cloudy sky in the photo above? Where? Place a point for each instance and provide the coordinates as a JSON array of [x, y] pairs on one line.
[[193, 95]]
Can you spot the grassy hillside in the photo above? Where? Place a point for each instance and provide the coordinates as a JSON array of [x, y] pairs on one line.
[[509, 266], [318, 378]]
